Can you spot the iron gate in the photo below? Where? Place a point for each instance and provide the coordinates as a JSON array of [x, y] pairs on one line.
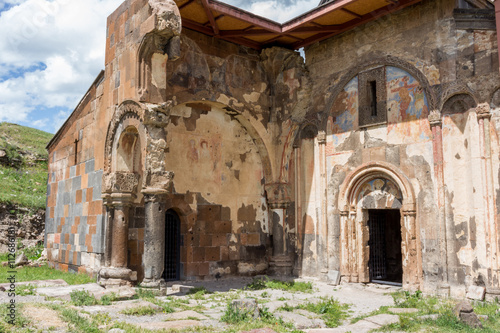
[[172, 246], [377, 262]]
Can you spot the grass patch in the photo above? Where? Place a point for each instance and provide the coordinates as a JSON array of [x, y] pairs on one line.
[[82, 298], [20, 321], [140, 311], [46, 273], [241, 320], [292, 286], [198, 293], [25, 138], [330, 310], [25, 187], [78, 323]]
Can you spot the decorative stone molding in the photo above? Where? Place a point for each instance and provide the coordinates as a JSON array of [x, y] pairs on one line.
[[278, 195], [120, 182], [162, 181], [435, 118], [157, 115], [483, 111], [322, 137]]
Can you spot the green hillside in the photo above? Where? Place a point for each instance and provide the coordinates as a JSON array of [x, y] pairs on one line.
[[23, 165]]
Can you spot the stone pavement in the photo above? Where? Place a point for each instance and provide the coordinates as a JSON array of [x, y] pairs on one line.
[[190, 311]]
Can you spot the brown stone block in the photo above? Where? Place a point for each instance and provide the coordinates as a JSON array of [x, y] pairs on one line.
[[198, 254], [74, 229], [212, 253], [92, 229], [234, 253], [90, 193], [51, 212], [92, 220], [219, 240], [209, 212], [141, 247], [63, 267], [205, 240], [66, 259], [253, 239], [191, 269], [183, 254], [189, 254], [204, 269], [133, 246], [222, 227], [85, 210], [78, 196], [224, 253], [77, 220], [134, 259], [66, 210], [140, 234], [200, 226], [66, 239], [75, 257], [88, 241]]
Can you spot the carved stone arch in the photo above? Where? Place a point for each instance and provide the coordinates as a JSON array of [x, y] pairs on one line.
[[495, 98], [353, 182], [457, 93], [373, 63], [127, 110]]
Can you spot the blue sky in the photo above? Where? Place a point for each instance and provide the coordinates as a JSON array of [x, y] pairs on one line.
[[52, 50]]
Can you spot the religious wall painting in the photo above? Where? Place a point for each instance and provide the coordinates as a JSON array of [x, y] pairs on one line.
[[380, 193], [407, 107], [344, 115], [202, 155]]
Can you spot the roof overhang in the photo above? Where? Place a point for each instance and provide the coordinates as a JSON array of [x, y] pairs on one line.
[[230, 23]]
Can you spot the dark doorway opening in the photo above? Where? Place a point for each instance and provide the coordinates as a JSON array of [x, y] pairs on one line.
[[172, 246], [386, 261]]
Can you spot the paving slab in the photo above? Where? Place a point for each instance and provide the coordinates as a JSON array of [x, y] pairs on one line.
[[120, 306], [64, 292], [36, 284], [383, 319], [169, 325], [299, 321], [45, 318], [185, 315]]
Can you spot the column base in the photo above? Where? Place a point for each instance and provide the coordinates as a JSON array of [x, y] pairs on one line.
[[117, 277], [280, 266], [157, 287]]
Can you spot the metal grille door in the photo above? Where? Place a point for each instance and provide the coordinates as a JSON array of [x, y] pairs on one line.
[[377, 263], [172, 246]]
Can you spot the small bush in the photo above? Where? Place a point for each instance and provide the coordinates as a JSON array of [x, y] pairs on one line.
[[35, 252], [407, 299], [234, 315], [331, 311], [140, 311], [82, 298], [292, 286]]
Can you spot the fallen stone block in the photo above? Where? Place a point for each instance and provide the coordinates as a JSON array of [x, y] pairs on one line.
[[65, 291], [476, 293], [298, 321], [383, 319], [465, 313], [179, 288]]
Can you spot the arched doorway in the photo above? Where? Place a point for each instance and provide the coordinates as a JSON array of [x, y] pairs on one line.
[[173, 244], [378, 227]]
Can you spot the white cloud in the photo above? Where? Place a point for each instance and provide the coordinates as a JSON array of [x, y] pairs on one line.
[[276, 10], [68, 38], [52, 50]]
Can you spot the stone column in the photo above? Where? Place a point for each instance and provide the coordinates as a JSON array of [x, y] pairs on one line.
[[323, 251], [153, 259], [411, 273], [484, 117], [437, 144], [297, 270], [154, 238], [278, 198], [119, 195]]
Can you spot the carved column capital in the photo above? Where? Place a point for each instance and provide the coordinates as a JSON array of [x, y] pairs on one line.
[[278, 195], [159, 182], [119, 188], [483, 111], [322, 137], [435, 118]]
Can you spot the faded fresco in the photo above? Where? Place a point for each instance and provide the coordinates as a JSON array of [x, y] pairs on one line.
[[344, 117], [407, 108], [380, 185]]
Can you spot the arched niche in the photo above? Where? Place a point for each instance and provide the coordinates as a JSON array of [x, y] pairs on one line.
[[128, 151], [377, 189]]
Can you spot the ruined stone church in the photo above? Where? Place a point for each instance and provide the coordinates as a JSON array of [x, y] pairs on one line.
[[358, 142]]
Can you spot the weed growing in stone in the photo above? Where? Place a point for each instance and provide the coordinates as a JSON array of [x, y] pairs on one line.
[[198, 293], [82, 298], [78, 323], [26, 290], [140, 311], [292, 286]]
